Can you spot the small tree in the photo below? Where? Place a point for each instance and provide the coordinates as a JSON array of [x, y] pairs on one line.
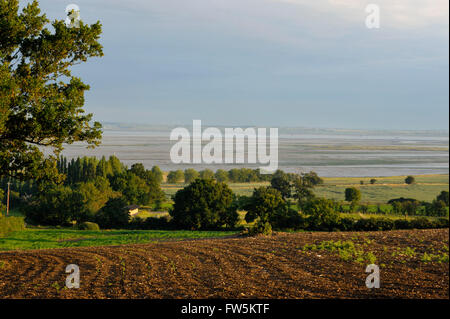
[[175, 177], [281, 183], [221, 175], [311, 179], [57, 206], [322, 213], [207, 174], [302, 191], [265, 204], [157, 172], [364, 209], [373, 181], [410, 180], [352, 195], [443, 196], [190, 175], [113, 214]]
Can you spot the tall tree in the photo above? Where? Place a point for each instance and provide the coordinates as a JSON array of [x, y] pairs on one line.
[[41, 102]]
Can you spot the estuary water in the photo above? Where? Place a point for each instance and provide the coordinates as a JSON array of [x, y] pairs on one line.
[[329, 152]]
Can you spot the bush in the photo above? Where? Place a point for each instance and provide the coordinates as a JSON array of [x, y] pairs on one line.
[[422, 223], [57, 205], [113, 215], [268, 205], [11, 224], [88, 226], [322, 214], [372, 224], [347, 223], [444, 197], [289, 220], [261, 227], [402, 224], [151, 223]]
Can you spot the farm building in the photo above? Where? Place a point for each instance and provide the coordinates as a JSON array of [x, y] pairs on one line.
[[132, 209]]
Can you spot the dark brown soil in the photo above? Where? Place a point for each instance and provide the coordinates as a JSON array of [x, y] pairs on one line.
[[250, 267]]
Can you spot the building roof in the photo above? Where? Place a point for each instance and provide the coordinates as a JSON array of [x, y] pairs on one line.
[[131, 207]]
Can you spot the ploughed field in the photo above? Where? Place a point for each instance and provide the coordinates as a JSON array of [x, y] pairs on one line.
[[413, 264]]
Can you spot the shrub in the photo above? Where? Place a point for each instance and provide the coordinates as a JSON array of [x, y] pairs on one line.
[[410, 180], [347, 223], [443, 196], [175, 177], [11, 224], [422, 223], [113, 214], [352, 195], [290, 219], [402, 224], [322, 214], [57, 205], [441, 223], [151, 223], [268, 204], [261, 227], [88, 226]]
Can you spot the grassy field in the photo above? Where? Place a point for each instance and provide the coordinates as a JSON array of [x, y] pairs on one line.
[[63, 238], [426, 188]]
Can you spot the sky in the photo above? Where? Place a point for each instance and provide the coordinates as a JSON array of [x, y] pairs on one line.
[[268, 63]]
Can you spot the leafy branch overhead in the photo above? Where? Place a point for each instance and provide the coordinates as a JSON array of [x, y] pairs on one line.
[[41, 102]]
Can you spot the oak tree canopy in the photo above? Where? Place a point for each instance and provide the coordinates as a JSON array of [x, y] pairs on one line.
[[41, 102]]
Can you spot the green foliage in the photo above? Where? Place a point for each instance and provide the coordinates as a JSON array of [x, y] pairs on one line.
[[444, 197], [280, 182], [322, 214], [88, 226], [204, 204], [267, 204], [352, 195], [158, 174], [190, 175], [207, 174], [303, 191], [221, 175], [162, 223], [41, 103], [175, 177], [410, 180], [57, 205], [113, 215], [311, 179], [95, 193], [137, 190], [261, 228], [11, 224], [347, 250]]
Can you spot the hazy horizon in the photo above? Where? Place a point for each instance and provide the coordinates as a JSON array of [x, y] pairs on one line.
[[143, 125]]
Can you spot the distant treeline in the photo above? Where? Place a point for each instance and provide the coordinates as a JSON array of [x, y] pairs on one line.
[[98, 191], [234, 175]]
